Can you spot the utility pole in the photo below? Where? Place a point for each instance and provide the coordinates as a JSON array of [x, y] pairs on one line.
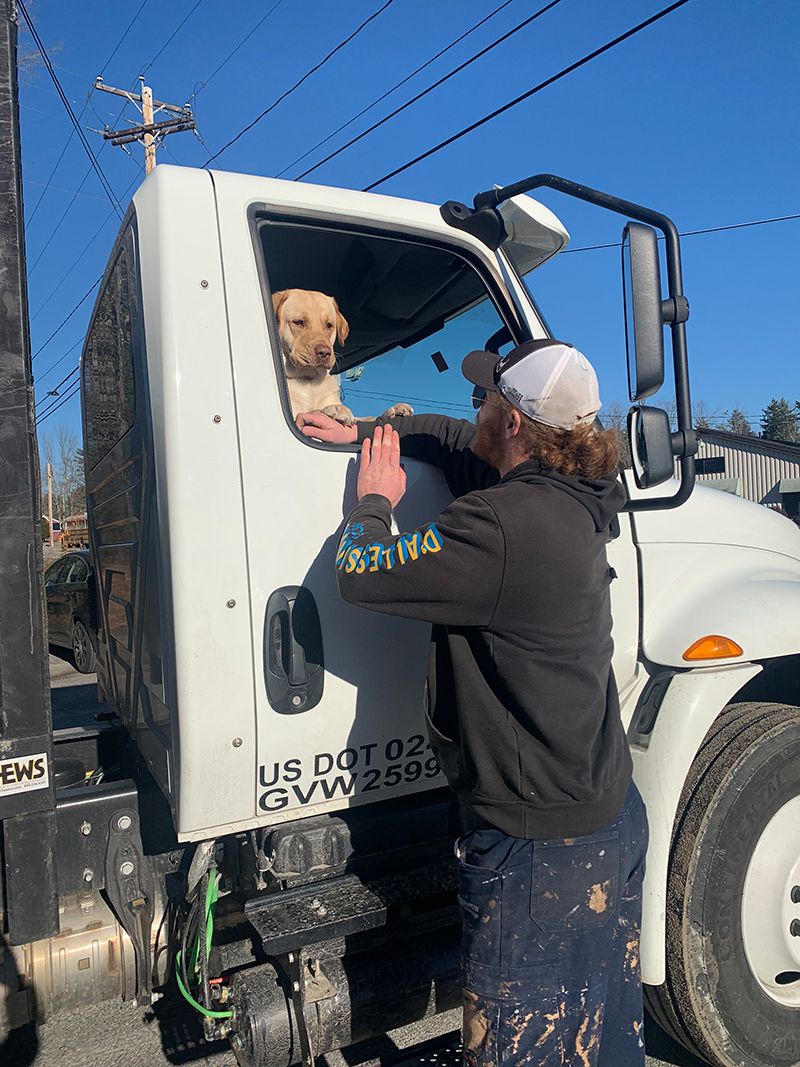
[[147, 121], [50, 502], [148, 131]]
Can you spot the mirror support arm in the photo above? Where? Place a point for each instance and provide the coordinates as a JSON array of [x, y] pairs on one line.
[[477, 219]]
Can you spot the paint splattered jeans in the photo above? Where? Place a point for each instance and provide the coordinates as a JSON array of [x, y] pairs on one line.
[[550, 946]]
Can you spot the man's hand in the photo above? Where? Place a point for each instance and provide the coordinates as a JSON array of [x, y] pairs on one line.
[[380, 471], [323, 428]]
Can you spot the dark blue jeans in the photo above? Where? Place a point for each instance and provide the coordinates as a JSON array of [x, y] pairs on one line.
[[550, 946]]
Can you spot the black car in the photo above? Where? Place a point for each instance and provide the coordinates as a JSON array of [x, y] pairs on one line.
[[69, 588]]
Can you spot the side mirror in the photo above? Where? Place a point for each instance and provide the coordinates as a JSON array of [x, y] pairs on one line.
[[652, 451], [644, 321]]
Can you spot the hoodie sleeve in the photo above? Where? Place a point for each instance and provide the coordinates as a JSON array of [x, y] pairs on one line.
[[443, 442], [449, 571]]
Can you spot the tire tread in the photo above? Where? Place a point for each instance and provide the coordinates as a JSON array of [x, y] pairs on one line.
[[733, 732]]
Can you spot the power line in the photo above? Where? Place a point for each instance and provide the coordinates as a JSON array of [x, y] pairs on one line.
[[40, 88], [108, 217], [106, 220], [38, 111], [354, 391], [54, 390], [434, 85], [58, 404], [64, 321], [61, 189], [585, 248], [74, 264], [692, 233], [82, 136], [298, 83], [124, 35], [29, 219], [172, 36], [58, 225], [389, 92], [531, 92], [119, 115], [203, 84], [60, 359]]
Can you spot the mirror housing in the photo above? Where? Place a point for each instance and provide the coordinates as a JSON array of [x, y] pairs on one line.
[[652, 449], [644, 321]]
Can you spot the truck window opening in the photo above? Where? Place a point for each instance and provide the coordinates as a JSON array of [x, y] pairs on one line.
[[411, 307]]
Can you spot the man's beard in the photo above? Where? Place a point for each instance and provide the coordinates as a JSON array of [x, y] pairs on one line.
[[489, 442]]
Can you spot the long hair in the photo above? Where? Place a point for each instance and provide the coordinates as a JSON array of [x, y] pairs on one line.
[[586, 451]]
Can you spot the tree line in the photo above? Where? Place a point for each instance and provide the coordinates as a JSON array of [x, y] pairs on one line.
[[779, 420]]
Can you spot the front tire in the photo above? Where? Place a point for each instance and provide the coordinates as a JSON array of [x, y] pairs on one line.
[[83, 651], [732, 993]]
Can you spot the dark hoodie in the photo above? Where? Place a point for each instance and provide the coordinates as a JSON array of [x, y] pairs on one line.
[[521, 702]]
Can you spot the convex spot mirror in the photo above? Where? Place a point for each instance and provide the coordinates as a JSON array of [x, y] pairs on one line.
[[644, 322], [651, 446]]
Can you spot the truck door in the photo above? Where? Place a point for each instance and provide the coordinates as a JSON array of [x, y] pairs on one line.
[[340, 690]]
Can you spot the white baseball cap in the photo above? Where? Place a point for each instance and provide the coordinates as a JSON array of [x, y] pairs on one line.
[[549, 381]]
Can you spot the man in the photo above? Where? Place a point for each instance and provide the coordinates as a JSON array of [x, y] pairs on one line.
[[521, 702]]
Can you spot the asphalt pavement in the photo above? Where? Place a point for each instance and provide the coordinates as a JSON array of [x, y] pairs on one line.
[[168, 1032], [117, 1033]]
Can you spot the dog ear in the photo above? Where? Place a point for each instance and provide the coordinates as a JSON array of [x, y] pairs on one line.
[[278, 300], [342, 325]]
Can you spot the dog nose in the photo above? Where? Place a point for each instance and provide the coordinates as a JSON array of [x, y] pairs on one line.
[[323, 352]]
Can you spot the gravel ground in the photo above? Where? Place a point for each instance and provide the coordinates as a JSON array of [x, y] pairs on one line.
[[117, 1033]]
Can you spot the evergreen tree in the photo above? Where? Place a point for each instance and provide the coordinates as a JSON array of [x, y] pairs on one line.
[[738, 423], [779, 422]]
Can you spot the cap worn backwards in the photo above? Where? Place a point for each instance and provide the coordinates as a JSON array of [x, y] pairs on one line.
[[549, 381]]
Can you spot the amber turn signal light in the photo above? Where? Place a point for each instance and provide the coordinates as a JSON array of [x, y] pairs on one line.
[[713, 646]]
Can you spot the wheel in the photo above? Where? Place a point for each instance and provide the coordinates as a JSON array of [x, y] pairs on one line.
[[732, 994], [83, 648]]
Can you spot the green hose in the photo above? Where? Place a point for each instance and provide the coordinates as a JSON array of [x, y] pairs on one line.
[[212, 894]]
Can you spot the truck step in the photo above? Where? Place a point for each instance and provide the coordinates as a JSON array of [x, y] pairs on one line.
[[338, 907]]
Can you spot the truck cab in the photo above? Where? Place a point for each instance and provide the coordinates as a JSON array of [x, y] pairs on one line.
[[284, 729]]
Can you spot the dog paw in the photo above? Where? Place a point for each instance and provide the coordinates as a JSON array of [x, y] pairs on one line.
[[339, 412], [398, 411]]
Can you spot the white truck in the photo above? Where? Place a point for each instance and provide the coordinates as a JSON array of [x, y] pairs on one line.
[[302, 862]]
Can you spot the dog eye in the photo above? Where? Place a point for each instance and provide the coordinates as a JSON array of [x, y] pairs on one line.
[[298, 322], [329, 326]]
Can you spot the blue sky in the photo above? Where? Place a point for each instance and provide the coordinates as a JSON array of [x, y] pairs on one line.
[[696, 116]]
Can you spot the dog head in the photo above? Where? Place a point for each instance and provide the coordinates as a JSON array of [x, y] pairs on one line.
[[309, 323]]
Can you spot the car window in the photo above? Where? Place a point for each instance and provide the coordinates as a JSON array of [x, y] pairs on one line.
[[79, 571], [413, 311], [57, 571]]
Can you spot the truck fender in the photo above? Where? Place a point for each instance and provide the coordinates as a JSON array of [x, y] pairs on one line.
[[755, 602], [692, 702]]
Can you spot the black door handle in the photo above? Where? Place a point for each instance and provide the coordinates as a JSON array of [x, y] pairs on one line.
[[286, 654], [293, 662]]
